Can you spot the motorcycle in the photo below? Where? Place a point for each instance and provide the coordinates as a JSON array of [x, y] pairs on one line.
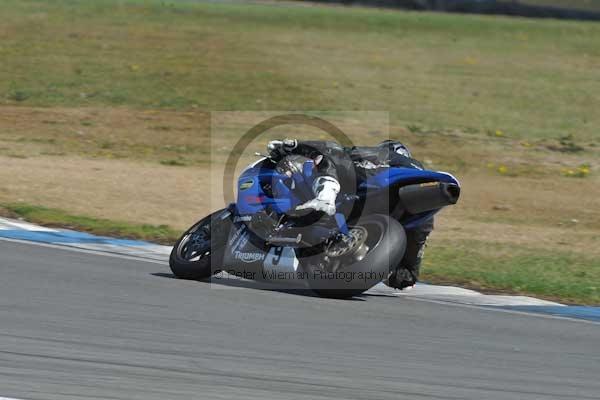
[[263, 237]]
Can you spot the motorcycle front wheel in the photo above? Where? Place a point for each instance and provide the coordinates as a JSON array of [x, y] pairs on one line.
[[198, 254], [359, 261]]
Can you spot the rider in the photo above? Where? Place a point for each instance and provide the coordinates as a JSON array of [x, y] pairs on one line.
[[337, 168]]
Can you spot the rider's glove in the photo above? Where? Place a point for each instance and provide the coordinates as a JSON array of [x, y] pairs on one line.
[[281, 148], [326, 189]]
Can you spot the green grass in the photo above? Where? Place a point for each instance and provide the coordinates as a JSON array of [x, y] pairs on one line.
[[58, 218], [555, 275], [530, 78]]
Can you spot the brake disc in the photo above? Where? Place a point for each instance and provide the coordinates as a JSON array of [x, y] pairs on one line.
[[351, 245]]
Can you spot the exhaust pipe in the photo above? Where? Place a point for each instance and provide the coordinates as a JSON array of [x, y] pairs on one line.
[[428, 196]]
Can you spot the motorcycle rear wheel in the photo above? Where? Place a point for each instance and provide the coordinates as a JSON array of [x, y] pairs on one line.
[[358, 271], [199, 252]]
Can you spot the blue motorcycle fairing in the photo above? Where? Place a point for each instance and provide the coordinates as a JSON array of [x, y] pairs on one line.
[[288, 192], [252, 197], [407, 176]]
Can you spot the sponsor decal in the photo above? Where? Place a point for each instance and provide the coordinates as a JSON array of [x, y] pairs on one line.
[[242, 218], [255, 199], [246, 184], [236, 235], [248, 257], [366, 164], [242, 242]]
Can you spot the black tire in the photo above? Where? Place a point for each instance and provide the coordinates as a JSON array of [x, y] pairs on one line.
[[386, 247], [204, 260]]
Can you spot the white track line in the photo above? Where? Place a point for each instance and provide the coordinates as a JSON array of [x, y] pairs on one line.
[[66, 247], [25, 226]]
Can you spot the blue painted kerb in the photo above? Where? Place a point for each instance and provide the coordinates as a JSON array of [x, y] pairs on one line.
[[578, 312], [65, 237]]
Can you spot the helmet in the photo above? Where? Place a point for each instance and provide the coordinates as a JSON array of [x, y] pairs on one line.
[[395, 147]]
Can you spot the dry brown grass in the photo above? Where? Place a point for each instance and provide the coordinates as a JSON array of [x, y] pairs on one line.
[[143, 192], [547, 213], [104, 132], [114, 189]]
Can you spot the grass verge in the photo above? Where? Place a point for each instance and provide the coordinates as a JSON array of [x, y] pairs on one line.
[[554, 275], [57, 218]]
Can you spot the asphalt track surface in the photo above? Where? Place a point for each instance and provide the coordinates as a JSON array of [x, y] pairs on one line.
[[75, 325]]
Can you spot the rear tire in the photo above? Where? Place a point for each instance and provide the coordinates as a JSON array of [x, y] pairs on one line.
[[386, 242], [199, 251]]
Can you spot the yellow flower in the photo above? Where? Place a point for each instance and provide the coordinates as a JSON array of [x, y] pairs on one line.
[[584, 169], [499, 133], [580, 172], [502, 169]]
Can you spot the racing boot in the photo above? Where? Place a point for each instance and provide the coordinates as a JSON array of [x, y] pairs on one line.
[[326, 189], [407, 273], [401, 278]]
